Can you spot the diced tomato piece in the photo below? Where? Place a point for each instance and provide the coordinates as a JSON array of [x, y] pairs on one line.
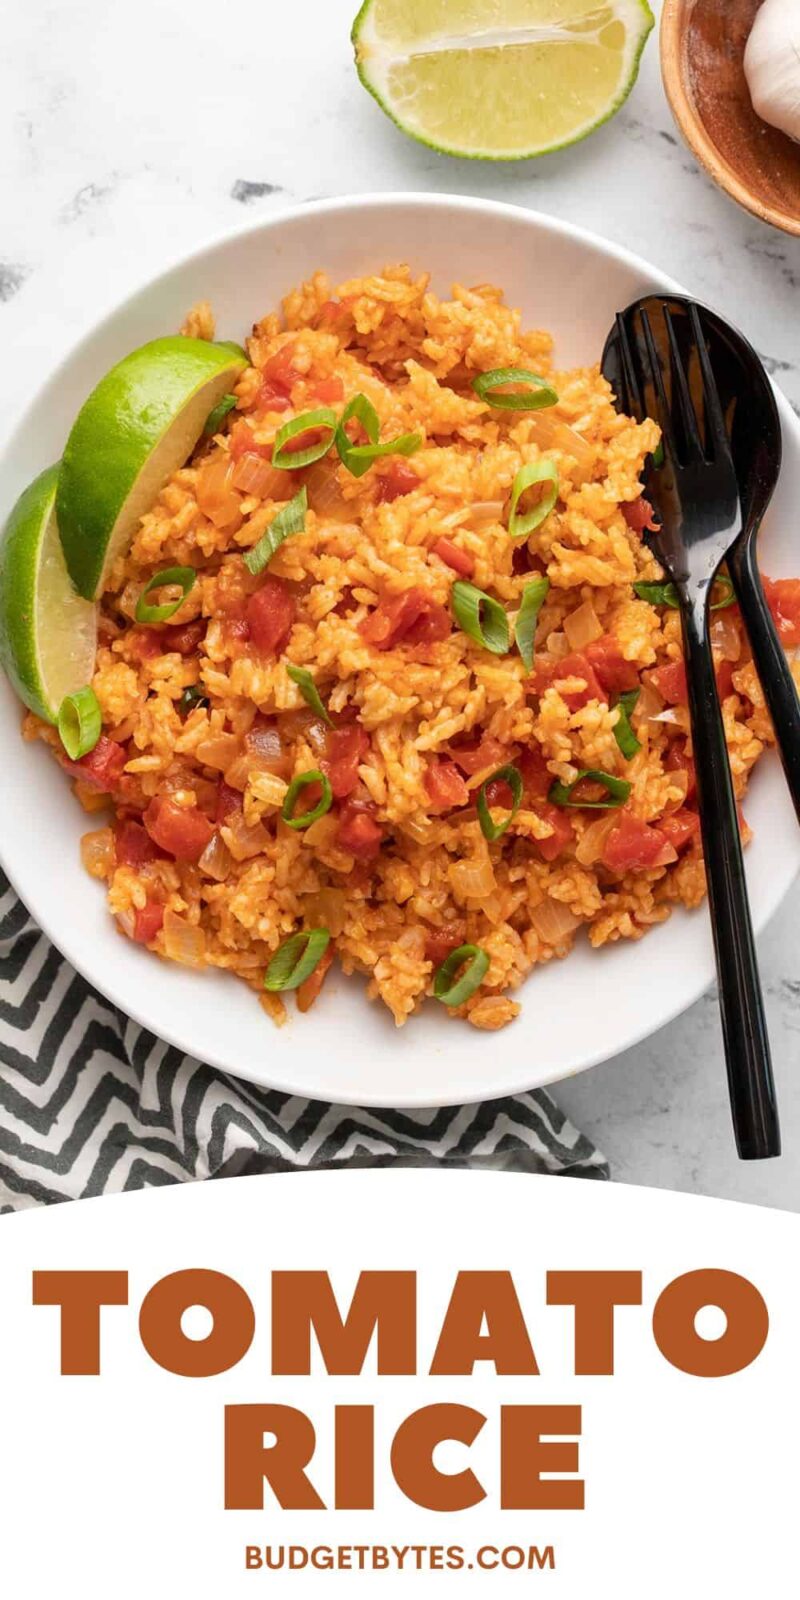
[[358, 832], [270, 613], [345, 749], [309, 989], [537, 781], [474, 755], [445, 785], [327, 390], [242, 442], [411, 618], [271, 398], [499, 793], [450, 554], [182, 831], [562, 835], [228, 801], [639, 515], [441, 942], [725, 672], [575, 665], [670, 681], [148, 922], [680, 828], [144, 644], [280, 369], [400, 479], [185, 639], [102, 768], [783, 599], [329, 312], [633, 845], [133, 845], [615, 674], [676, 760]]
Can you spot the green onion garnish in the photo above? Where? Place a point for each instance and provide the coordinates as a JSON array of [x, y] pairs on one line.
[[192, 697], [536, 472], [481, 617], [364, 411], [658, 454], [454, 993], [295, 788], [185, 576], [296, 959], [527, 617], [80, 722], [216, 417], [623, 732], [324, 419], [308, 689], [665, 594], [617, 789], [290, 519], [495, 830], [540, 394]]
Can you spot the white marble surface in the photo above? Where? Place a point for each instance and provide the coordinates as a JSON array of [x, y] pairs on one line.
[[129, 134]]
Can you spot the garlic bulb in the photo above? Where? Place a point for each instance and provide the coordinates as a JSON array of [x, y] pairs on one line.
[[772, 65]]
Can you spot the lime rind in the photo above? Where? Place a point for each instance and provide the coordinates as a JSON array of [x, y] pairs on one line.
[[138, 426], [368, 50], [48, 633]]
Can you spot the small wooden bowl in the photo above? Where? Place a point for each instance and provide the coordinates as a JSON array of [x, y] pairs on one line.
[[702, 56]]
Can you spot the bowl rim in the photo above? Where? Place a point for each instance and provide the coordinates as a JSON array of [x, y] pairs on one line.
[[347, 205], [672, 42]]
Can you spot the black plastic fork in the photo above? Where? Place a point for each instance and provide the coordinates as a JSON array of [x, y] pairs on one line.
[[665, 373]]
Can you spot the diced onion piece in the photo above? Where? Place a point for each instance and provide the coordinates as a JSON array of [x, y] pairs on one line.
[[582, 627], [590, 845], [97, 853], [324, 493], [183, 941], [553, 921], [649, 705], [725, 638], [678, 779], [550, 433], [556, 646], [216, 861], [214, 492], [243, 841], [327, 909], [485, 511], [126, 921], [472, 880], [253, 475], [219, 751], [266, 747], [674, 717]]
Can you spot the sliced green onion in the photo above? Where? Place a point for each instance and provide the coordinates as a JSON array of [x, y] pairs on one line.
[[658, 454], [525, 626], [364, 411], [495, 830], [295, 788], [324, 419], [296, 959], [617, 789], [481, 617], [665, 594], [290, 519], [191, 698], [216, 417], [80, 722], [541, 394], [623, 732], [452, 990], [308, 689], [359, 457], [536, 472], [186, 577]]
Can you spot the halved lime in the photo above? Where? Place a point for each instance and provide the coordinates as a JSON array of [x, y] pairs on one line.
[[48, 634], [136, 428], [500, 79]]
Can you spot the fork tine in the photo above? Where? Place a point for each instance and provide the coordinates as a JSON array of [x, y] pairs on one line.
[[632, 400], [681, 396], [657, 379], [716, 431]]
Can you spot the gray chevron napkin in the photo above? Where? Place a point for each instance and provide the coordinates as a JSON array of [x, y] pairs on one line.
[[91, 1103]]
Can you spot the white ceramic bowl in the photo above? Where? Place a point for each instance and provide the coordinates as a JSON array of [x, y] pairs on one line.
[[576, 1012]]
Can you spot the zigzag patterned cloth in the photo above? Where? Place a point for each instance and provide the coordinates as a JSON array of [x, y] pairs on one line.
[[91, 1103]]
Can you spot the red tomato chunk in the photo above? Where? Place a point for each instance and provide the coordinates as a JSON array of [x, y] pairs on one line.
[[182, 831], [270, 613], [562, 835], [614, 673], [327, 391], [670, 681], [185, 639], [228, 801], [477, 754], [450, 554], [635, 845], [676, 760], [445, 785], [133, 845], [537, 781], [148, 922], [102, 768], [639, 515], [442, 941], [399, 480], [345, 749], [680, 828], [358, 832], [575, 665], [407, 618], [783, 599]]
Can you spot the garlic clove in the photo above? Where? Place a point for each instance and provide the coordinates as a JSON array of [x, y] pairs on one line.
[[772, 65]]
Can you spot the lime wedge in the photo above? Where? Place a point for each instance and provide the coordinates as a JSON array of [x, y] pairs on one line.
[[500, 79], [48, 634], [136, 428]]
